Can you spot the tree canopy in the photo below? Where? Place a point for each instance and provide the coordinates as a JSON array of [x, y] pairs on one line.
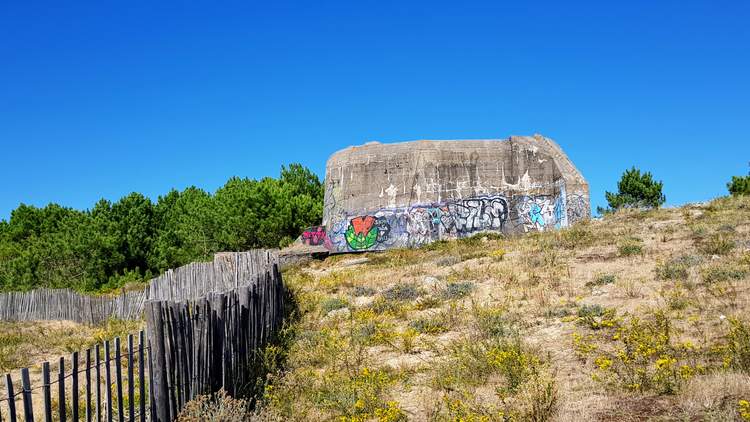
[[740, 185], [136, 238], [636, 190]]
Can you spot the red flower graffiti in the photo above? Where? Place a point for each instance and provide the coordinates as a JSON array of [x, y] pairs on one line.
[[362, 225]]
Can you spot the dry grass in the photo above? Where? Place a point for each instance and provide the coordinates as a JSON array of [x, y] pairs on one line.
[[484, 328]]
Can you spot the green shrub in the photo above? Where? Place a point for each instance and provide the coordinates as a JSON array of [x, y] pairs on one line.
[[429, 325], [402, 292], [457, 290], [723, 272], [740, 185], [363, 291], [737, 353], [596, 316], [601, 280], [630, 246], [717, 244], [636, 190], [332, 303], [492, 322], [216, 407], [676, 268]]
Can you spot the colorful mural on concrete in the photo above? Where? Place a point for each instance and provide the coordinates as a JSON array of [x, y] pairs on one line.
[[421, 224]]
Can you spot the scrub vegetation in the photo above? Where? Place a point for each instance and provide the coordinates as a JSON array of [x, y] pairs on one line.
[[642, 315]]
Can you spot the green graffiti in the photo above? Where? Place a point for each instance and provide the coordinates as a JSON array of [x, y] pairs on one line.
[[359, 241]]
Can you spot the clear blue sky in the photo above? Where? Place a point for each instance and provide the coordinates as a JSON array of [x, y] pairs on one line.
[[103, 98]]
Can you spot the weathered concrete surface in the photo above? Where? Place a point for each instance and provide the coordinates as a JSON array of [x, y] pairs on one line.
[[380, 196]]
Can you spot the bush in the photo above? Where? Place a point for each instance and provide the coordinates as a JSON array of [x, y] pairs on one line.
[[363, 291], [636, 190], [219, 407], [640, 355], [717, 244], [332, 303], [492, 322], [676, 268], [596, 316], [457, 289], [740, 185], [630, 246], [402, 292], [723, 272], [737, 352], [601, 280]]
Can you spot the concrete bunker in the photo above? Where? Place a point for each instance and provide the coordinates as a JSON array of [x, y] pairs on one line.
[[382, 196]]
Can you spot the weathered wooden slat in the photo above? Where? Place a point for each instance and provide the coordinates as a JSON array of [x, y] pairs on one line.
[[11, 398], [88, 385], [160, 393], [28, 410], [131, 381], [74, 386], [61, 390], [46, 393], [141, 378], [118, 378], [98, 384], [108, 376]]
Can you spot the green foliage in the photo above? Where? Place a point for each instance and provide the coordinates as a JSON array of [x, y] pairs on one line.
[[601, 280], [457, 289], [134, 238], [630, 246], [636, 190], [740, 185]]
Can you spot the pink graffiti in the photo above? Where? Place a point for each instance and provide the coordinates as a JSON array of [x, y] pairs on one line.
[[314, 236]]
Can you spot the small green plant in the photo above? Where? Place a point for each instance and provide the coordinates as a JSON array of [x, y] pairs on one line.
[[601, 280], [491, 322], [402, 292], [723, 272], [408, 340], [457, 290], [743, 408], [596, 316], [429, 325], [630, 246], [333, 303], [363, 291], [719, 243], [216, 407], [737, 352], [674, 269]]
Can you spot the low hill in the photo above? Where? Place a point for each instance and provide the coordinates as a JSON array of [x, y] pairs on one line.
[[641, 315]]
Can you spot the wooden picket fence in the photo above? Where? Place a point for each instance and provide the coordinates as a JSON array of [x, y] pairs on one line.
[[196, 346], [106, 396], [228, 270], [65, 304], [205, 345]]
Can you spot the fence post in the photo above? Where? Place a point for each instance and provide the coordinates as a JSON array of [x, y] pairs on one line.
[[28, 410], [46, 392], [11, 398], [160, 394], [74, 386], [98, 384], [131, 387], [88, 385], [141, 377], [118, 371], [61, 390], [108, 375]]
